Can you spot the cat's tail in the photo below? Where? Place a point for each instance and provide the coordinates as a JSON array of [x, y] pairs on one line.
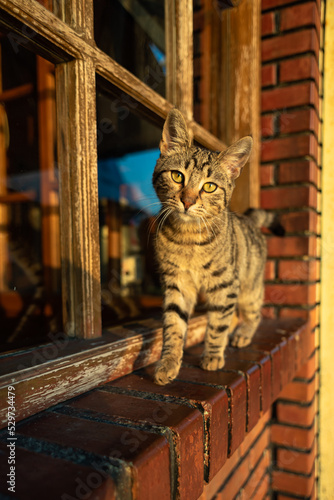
[[262, 218]]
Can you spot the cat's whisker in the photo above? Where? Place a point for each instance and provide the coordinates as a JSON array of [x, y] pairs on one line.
[[214, 223], [206, 225], [155, 221], [167, 214], [200, 228], [147, 206]]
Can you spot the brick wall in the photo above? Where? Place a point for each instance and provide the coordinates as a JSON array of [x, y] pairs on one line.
[[292, 42], [246, 474], [294, 436]]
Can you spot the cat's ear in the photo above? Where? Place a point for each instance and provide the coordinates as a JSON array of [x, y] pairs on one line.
[[175, 134], [234, 158]]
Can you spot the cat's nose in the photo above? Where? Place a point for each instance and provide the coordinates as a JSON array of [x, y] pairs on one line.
[[188, 202]]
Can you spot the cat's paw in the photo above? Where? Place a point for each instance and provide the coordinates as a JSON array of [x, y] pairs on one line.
[[212, 363], [241, 337], [166, 371]]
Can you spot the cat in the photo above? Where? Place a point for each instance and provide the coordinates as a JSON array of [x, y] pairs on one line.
[[201, 246]]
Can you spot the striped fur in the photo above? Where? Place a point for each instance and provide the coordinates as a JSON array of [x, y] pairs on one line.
[[202, 246]]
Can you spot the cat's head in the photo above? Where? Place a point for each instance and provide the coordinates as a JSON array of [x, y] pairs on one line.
[[195, 182]]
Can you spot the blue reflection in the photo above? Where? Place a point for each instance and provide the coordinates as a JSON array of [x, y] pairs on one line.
[[128, 179], [159, 56]]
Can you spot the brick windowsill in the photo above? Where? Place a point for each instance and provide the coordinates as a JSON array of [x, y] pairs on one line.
[[130, 438]]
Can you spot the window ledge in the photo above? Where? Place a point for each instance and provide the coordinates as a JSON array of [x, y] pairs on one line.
[[64, 368], [130, 434]]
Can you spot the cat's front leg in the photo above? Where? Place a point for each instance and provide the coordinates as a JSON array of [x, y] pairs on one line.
[[179, 301], [220, 317]]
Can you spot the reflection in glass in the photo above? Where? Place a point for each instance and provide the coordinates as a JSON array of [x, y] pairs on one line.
[[133, 34], [29, 206], [127, 153]]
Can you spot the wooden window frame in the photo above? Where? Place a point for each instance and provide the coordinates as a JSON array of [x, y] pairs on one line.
[[65, 37]]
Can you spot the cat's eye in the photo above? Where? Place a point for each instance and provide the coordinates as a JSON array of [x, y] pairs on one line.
[[209, 187], [177, 176]]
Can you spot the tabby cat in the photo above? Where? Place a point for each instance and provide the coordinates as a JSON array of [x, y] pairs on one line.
[[202, 246]]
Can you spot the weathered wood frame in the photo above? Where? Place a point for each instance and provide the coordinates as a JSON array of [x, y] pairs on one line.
[[240, 84], [65, 37]]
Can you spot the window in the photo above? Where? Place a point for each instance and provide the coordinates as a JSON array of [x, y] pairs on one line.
[[100, 97], [29, 199]]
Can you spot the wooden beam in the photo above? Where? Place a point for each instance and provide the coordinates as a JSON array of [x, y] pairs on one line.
[[60, 370], [77, 159], [240, 87], [79, 14], [179, 55]]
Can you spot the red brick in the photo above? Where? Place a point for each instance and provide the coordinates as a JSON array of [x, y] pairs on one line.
[[290, 294], [297, 94], [263, 490], [293, 312], [300, 221], [315, 311], [270, 270], [288, 496], [290, 44], [210, 490], [268, 75], [255, 480], [281, 346], [299, 68], [267, 175], [292, 246], [292, 483], [289, 147], [289, 197], [295, 414], [267, 125], [252, 374], [258, 447], [256, 440], [236, 387], [232, 487], [299, 121], [54, 478], [268, 24], [296, 461], [308, 370], [183, 423], [298, 171], [294, 437], [298, 16], [212, 402], [292, 270], [268, 312], [136, 450], [302, 392]]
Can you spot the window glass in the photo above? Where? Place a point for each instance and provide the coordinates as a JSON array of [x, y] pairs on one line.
[[29, 208], [127, 153], [133, 34], [208, 47]]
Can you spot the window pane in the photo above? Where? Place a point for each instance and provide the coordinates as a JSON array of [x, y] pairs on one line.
[[29, 209], [127, 153], [208, 53], [133, 34]]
